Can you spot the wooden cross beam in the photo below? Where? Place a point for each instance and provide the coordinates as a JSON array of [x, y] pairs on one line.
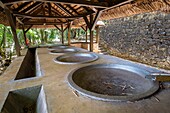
[[92, 23], [46, 17], [28, 28], [75, 2]]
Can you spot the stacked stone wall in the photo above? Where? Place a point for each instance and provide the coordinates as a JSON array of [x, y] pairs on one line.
[[144, 38]]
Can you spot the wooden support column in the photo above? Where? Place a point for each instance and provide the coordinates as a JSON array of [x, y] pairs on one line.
[[62, 34], [12, 22], [85, 29], [91, 34], [97, 34], [25, 38], [24, 32], [86, 33], [91, 25], [69, 33]]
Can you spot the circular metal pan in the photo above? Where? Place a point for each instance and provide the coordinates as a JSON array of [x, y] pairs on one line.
[[67, 50], [76, 58], [59, 47], [112, 82]]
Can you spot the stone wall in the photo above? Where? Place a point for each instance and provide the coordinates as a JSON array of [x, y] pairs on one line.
[[144, 38]]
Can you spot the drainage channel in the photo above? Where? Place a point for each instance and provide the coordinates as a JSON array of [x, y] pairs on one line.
[[27, 100], [30, 66]]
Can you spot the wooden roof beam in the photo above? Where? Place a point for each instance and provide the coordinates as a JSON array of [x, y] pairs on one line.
[[49, 9], [64, 9], [32, 7], [46, 23], [75, 11], [76, 2], [46, 17], [22, 6]]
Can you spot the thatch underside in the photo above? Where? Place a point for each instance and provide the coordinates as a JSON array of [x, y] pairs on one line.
[[128, 9], [141, 6]]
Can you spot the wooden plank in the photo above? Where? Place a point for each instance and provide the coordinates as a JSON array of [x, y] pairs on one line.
[[76, 2], [13, 28]]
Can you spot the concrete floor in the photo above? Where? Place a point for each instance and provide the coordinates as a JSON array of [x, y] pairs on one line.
[[60, 97]]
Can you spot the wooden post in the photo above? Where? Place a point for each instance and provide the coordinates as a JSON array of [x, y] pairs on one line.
[[91, 33], [97, 34], [86, 33], [62, 34], [12, 22], [25, 39], [69, 34]]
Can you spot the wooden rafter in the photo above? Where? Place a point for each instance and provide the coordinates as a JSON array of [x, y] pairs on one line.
[[35, 12], [76, 2], [31, 7], [64, 9], [74, 10], [49, 9], [22, 6]]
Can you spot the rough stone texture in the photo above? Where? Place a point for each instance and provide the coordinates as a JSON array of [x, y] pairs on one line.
[[144, 38]]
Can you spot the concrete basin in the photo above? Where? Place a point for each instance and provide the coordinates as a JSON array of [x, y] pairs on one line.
[[112, 82], [58, 47], [66, 50], [76, 58]]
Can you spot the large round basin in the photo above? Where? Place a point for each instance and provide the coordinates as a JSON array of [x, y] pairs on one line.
[[76, 58], [58, 47], [67, 50], [112, 82]]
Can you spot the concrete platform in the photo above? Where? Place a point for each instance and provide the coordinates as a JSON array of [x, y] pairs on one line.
[[60, 98]]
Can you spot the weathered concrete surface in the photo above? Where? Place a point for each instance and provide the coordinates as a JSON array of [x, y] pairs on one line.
[[60, 97]]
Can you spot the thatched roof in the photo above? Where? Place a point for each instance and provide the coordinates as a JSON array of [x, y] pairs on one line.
[[132, 8], [57, 12]]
